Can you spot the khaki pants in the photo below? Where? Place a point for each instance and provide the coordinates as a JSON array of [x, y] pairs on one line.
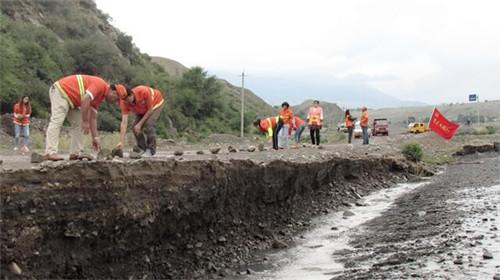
[[146, 139], [60, 109]]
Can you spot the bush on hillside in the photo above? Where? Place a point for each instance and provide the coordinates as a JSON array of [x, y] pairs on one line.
[[412, 151]]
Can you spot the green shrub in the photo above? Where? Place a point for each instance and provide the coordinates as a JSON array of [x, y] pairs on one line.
[[412, 151], [491, 129]]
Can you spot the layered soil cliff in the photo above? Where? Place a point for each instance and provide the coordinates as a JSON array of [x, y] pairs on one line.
[[169, 219]]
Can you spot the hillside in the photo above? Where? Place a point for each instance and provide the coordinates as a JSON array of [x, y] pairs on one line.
[[172, 67], [253, 104], [332, 113], [45, 40]]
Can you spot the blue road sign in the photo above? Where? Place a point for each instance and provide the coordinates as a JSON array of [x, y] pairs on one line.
[[472, 97]]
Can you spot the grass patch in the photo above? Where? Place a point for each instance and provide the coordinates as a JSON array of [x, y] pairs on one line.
[[437, 159]]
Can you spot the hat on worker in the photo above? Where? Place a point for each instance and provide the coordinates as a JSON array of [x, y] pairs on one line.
[[121, 90]]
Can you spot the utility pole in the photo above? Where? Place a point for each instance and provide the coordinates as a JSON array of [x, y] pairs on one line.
[[242, 120]]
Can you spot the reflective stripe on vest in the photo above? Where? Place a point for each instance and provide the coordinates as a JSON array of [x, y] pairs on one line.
[[269, 120], [81, 89], [315, 119], [153, 97]]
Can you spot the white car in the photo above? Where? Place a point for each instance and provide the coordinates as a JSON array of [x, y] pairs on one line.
[[358, 132]]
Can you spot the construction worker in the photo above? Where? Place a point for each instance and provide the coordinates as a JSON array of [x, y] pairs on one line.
[[269, 126], [146, 103], [364, 124], [349, 124], [283, 131], [315, 121], [21, 120], [298, 125], [76, 97]]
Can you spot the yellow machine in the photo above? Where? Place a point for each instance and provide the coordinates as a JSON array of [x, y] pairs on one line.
[[417, 128]]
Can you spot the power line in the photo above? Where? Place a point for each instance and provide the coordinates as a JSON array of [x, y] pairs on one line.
[[242, 119]]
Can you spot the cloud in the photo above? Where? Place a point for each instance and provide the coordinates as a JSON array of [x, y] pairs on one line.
[[415, 49]]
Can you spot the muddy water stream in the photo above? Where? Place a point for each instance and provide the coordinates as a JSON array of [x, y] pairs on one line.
[[313, 256]]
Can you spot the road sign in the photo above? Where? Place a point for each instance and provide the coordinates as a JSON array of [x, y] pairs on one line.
[[472, 97]]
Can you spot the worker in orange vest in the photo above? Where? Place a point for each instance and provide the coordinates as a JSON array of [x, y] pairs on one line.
[[364, 124], [298, 125], [21, 120], [146, 103], [349, 124], [76, 97], [283, 131], [268, 126], [315, 121]]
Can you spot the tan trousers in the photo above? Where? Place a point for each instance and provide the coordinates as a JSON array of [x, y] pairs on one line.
[[60, 109]]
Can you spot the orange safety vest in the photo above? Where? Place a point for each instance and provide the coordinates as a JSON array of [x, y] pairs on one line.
[[364, 119], [348, 122], [286, 115], [314, 115]]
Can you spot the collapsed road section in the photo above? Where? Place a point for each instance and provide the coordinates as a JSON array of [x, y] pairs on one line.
[[168, 218]]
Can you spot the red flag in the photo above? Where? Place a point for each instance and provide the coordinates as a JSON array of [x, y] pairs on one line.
[[441, 126]]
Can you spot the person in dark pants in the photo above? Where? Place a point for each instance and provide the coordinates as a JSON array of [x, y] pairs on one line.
[[349, 124], [146, 103], [270, 127], [315, 121]]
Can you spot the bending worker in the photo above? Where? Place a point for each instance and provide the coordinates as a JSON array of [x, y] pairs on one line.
[[76, 97], [146, 103], [298, 125], [269, 126]]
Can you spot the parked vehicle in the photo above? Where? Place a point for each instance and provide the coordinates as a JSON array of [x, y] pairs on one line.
[[341, 127], [417, 127], [380, 126], [358, 132]]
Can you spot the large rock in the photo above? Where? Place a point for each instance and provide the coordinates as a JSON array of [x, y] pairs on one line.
[[487, 255], [36, 158], [251, 149], [215, 150], [472, 149], [496, 146], [260, 147], [278, 244], [134, 155], [178, 153], [14, 268], [231, 149], [117, 152]]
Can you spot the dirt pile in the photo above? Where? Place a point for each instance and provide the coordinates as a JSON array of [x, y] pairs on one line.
[[166, 218]]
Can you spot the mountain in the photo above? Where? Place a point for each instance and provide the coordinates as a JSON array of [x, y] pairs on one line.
[[332, 113], [349, 94], [172, 67], [42, 41]]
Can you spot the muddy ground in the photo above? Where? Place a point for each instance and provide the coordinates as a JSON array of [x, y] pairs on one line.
[[191, 216], [444, 230]]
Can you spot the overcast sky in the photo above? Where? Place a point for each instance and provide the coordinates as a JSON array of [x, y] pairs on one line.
[[430, 51]]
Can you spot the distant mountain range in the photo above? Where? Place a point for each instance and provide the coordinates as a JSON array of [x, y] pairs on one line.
[[295, 90], [346, 94]]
